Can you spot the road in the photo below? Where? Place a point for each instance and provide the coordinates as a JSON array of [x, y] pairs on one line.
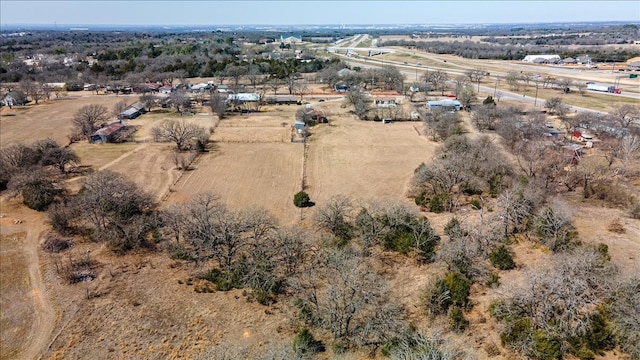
[[454, 68]]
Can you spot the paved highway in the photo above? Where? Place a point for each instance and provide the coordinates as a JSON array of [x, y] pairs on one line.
[[418, 71]]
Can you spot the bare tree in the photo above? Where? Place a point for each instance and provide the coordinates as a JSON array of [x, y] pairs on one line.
[[625, 302], [461, 82], [148, 100], [89, 118], [291, 82], [476, 75], [555, 105], [513, 79], [361, 103], [627, 148], [236, 72], [218, 104], [554, 227], [467, 97], [557, 302], [274, 84], [626, 114], [60, 157], [354, 306], [118, 108], [335, 216], [180, 132], [437, 80], [180, 100], [117, 209]]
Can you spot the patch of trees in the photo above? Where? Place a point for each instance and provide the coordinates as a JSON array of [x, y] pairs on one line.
[[109, 208], [561, 309], [462, 167], [27, 170]]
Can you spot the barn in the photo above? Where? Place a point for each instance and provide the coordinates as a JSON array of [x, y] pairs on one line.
[[132, 111], [107, 133]]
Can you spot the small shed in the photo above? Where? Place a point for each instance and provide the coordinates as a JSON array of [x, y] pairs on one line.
[[299, 125]]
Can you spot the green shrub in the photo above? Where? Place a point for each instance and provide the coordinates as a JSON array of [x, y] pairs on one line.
[[519, 332], [493, 281], [475, 204], [501, 258], [584, 354], [489, 101], [224, 281], [456, 319], [179, 252], [399, 241], [495, 183], [421, 199], [459, 288], [469, 189], [437, 203], [599, 336], [437, 298], [546, 347], [452, 227], [301, 199], [304, 344]]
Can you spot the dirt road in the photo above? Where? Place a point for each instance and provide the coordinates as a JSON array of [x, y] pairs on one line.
[[44, 315]]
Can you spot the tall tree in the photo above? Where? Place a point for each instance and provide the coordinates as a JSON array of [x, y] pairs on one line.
[[89, 118], [180, 132], [437, 80]]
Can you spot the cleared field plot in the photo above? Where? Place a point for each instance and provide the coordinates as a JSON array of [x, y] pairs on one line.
[[253, 134], [365, 160], [248, 176], [151, 166], [274, 126], [47, 119]]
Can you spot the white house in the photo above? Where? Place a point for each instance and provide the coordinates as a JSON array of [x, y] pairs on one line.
[[544, 58], [292, 39], [244, 97]]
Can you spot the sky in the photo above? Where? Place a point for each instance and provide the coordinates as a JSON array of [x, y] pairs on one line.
[[379, 12]]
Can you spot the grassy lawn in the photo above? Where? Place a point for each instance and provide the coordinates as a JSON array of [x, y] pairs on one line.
[[97, 155]]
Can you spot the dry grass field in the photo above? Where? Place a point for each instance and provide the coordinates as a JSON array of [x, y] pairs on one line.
[[49, 118], [365, 160], [248, 175]]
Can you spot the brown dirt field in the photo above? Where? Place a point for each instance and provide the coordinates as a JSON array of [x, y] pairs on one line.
[[591, 222], [48, 119], [248, 175], [172, 320], [365, 160]]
